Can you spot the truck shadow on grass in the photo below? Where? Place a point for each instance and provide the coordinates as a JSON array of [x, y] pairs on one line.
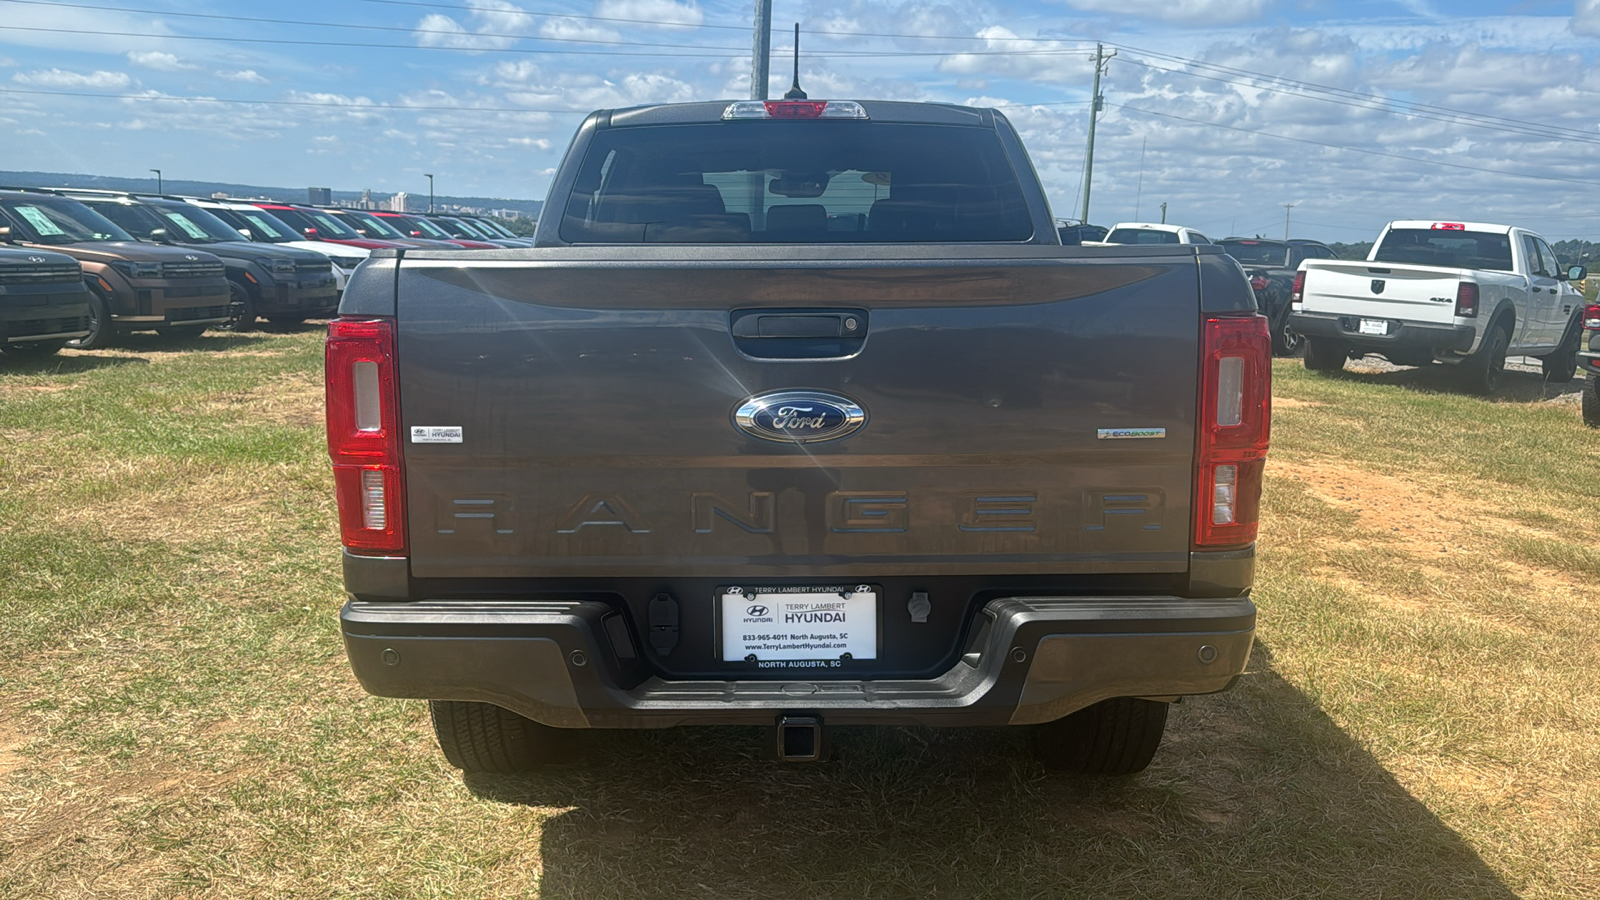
[[63, 364], [1519, 384], [211, 341], [1256, 793]]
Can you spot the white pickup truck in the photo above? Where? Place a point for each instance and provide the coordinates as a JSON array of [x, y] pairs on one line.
[[1461, 293]]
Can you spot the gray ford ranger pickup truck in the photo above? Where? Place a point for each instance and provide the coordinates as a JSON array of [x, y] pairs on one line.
[[798, 415]]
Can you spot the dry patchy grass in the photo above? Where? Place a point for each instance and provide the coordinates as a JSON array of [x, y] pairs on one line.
[[176, 717]]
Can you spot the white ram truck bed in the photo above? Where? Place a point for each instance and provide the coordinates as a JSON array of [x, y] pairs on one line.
[[1460, 293]]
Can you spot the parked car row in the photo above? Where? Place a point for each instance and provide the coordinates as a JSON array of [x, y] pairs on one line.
[[82, 265]]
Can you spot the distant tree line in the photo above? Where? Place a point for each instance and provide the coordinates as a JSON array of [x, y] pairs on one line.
[[521, 226], [1351, 251], [1577, 253]]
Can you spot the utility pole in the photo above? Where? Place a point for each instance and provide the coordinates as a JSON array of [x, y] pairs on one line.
[[1138, 195], [430, 193], [158, 180], [1163, 212], [761, 51], [1096, 103], [1286, 208]]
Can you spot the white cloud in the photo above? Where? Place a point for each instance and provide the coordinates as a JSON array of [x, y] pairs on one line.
[[495, 26], [7, 62], [576, 30], [61, 78], [1586, 17], [1004, 54], [159, 60], [246, 76], [654, 12], [1200, 12]]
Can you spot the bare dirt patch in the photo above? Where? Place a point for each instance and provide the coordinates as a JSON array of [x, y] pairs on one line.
[[10, 759], [295, 402], [1292, 403], [1424, 520], [190, 505]]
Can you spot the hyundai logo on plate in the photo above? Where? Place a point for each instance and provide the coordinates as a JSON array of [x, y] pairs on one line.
[[799, 416], [756, 611]]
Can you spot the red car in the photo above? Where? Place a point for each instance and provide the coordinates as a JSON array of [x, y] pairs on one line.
[[318, 225]]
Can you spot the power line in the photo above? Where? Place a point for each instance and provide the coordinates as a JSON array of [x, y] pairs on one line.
[[359, 44], [444, 32], [1314, 87], [325, 104], [1290, 87], [1284, 137], [721, 51], [424, 4], [1380, 104]]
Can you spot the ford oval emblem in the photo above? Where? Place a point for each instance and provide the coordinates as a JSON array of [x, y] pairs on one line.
[[799, 416]]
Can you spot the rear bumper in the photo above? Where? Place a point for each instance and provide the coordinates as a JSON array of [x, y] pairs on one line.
[[1413, 337], [574, 664]]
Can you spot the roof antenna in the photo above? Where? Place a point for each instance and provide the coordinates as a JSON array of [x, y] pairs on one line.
[[794, 92]]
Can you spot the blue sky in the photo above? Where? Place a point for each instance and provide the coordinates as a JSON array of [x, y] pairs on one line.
[[1354, 112]]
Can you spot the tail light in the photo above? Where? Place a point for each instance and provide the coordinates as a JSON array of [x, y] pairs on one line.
[[1232, 432], [1298, 291], [1467, 299], [1591, 317], [364, 435]]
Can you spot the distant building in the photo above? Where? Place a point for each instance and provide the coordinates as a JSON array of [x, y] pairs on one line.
[[505, 213], [400, 202], [220, 195], [320, 196], [366, 200]]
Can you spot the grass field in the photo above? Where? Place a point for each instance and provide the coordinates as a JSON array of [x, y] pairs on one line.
[[176, 717]]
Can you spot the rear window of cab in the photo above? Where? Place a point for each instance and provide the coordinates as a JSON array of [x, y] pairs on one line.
[[802, 182]]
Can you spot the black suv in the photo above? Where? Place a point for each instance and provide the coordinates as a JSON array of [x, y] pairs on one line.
[[1270, 265], [43, 300], [284, 284], [133, 286]]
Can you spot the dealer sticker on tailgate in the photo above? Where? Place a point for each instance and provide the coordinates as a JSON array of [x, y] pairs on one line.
[[784, 627]]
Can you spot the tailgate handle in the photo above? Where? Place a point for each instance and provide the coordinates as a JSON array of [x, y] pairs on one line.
[[798, 333], [826, 325]]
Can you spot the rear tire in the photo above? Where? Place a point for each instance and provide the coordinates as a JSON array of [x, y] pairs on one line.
[[101, 329], [1591, 402], [482, 737], [1284, 341], [1561, 366], [1323, 355], [1113, 737], [1484, 370]]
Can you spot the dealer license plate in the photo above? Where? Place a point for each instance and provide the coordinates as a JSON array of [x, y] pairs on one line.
[[781, 625], [1374, 326]]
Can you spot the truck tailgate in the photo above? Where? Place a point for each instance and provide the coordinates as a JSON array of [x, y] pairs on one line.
[[1382, 290], [1013, 408]]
